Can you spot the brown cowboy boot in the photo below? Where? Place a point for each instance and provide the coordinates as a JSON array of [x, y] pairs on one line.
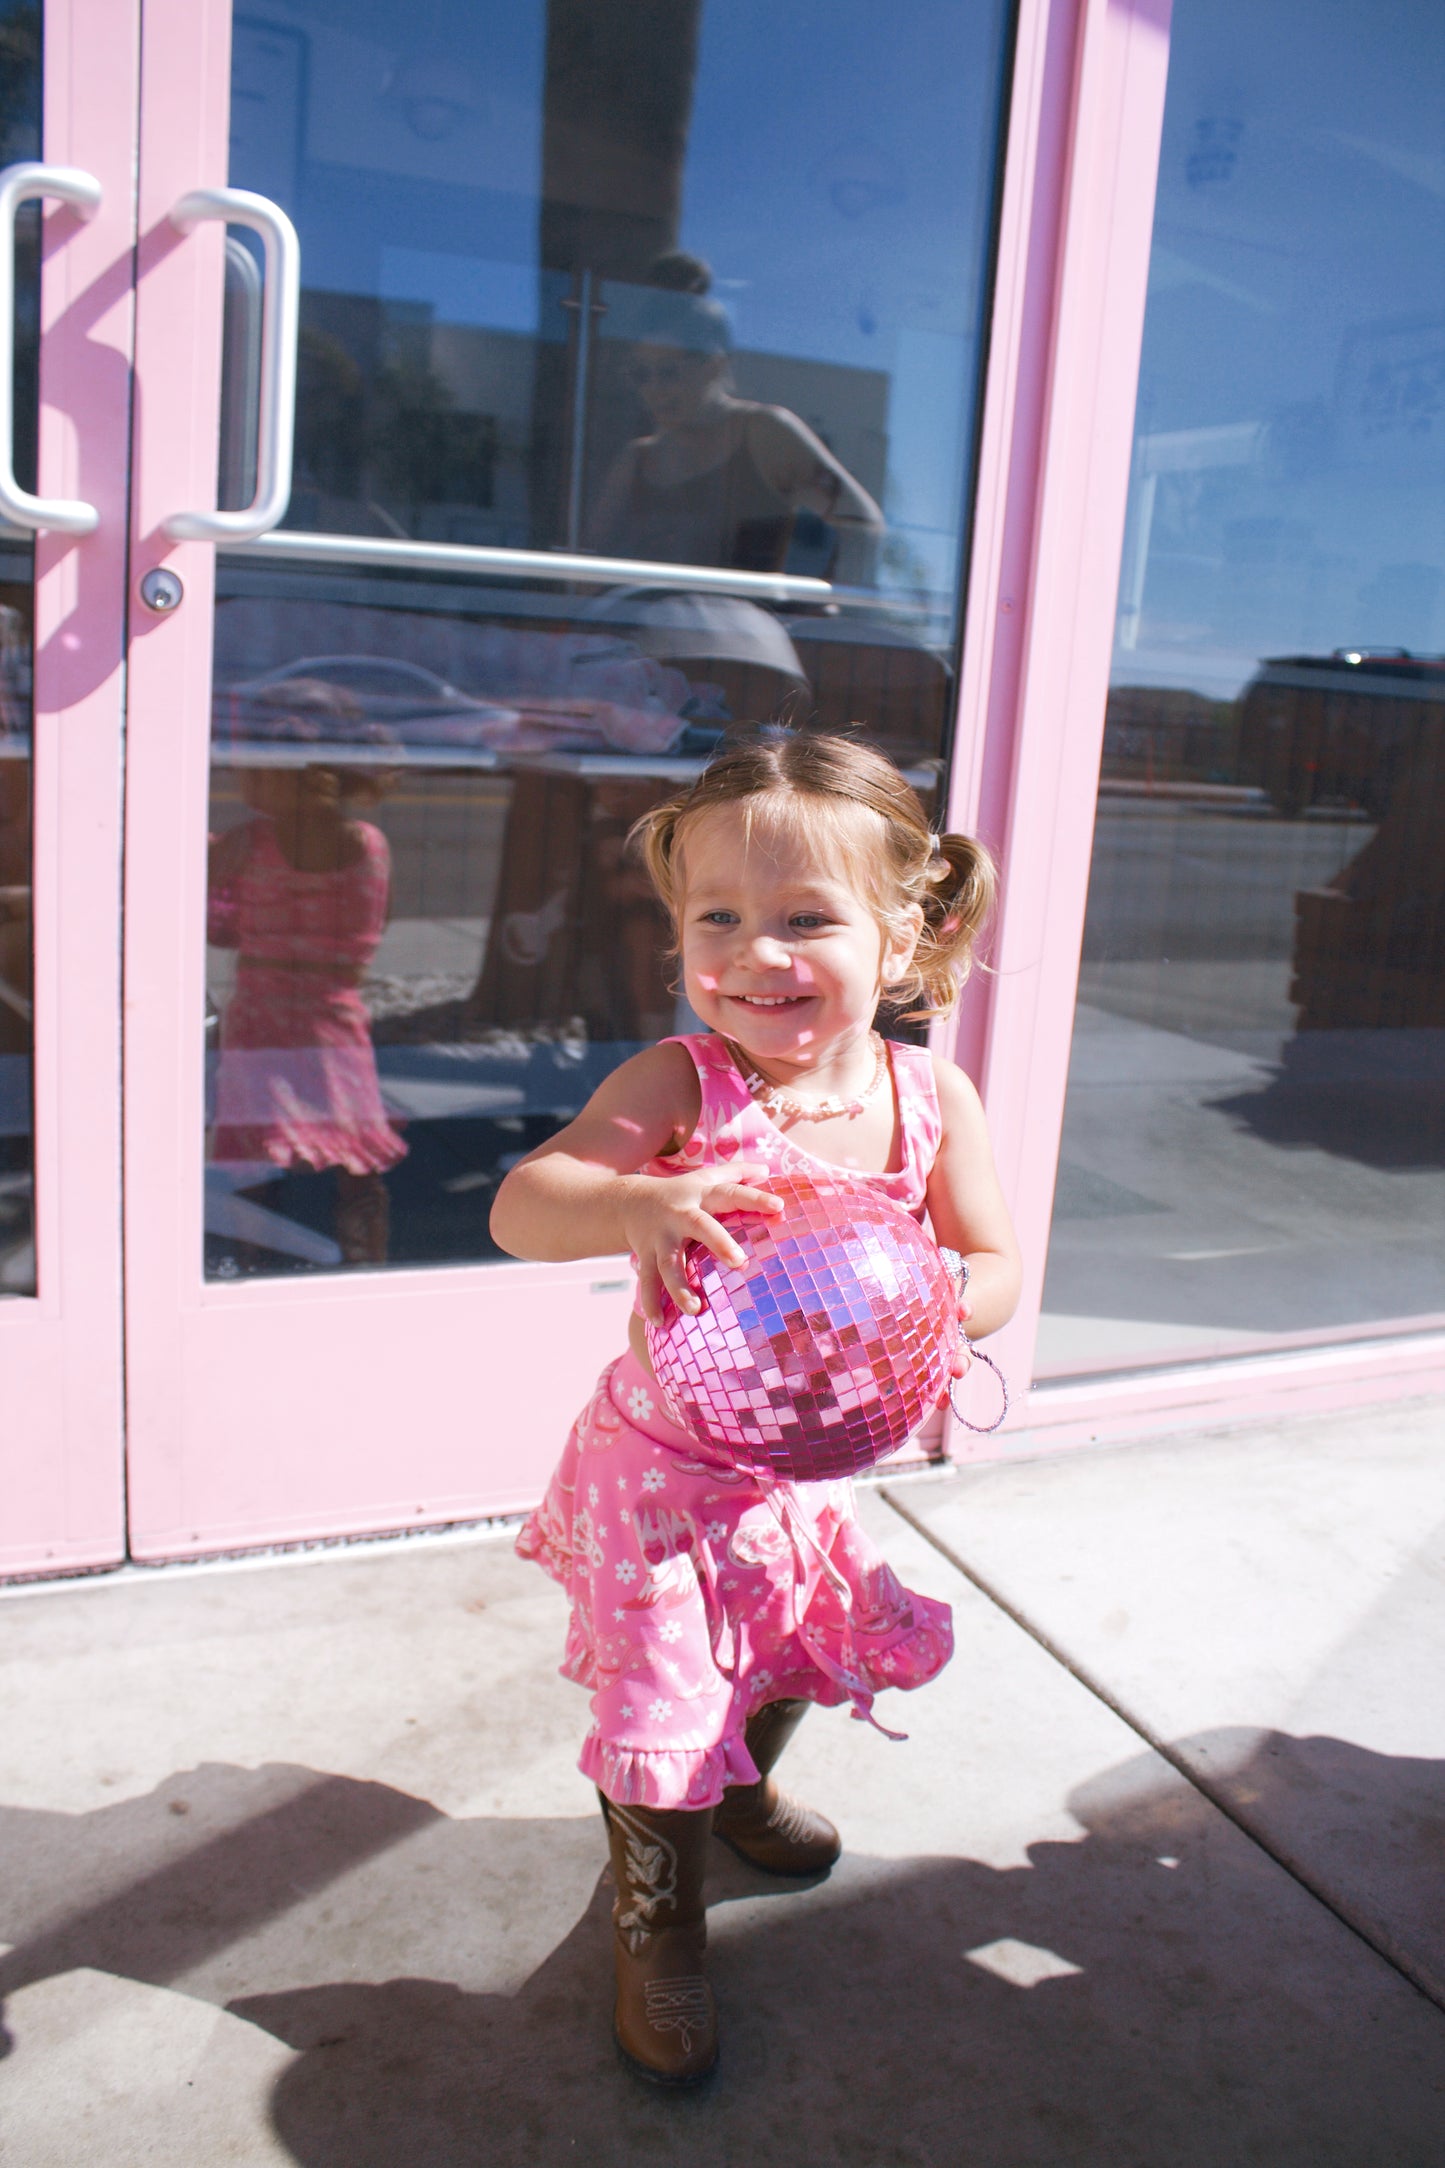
[[766, 1826], [665, 2021]]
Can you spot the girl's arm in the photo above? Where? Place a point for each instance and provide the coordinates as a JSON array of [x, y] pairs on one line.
[[967, 1207], [580, 1194]]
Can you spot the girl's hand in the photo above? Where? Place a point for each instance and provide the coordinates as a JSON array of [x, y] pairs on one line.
[[664, 1213]]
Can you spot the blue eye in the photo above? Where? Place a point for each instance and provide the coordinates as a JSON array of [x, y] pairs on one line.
[[808, 921], [719, 918]]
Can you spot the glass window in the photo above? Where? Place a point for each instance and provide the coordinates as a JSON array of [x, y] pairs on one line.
[[683, 309], [19, 138], [1254, 1144]]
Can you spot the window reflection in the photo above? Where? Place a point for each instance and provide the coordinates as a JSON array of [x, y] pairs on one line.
[[714, 478], [1254, 1146], [300, 892], [17, 1244], [574, 281]]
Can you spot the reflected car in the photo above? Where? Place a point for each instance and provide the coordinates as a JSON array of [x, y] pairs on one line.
[[411, 705], [1336, 729]]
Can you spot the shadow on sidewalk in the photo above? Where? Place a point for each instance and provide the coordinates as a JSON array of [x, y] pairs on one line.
[[1188, 2003]]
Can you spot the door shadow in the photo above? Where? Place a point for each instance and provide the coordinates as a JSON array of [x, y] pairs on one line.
[[1154, 1990]]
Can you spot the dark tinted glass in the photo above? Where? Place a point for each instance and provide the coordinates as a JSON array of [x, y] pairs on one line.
[[19, 138], [683, 306]]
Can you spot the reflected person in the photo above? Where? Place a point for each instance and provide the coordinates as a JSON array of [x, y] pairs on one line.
[[717, 479], [302, 892]]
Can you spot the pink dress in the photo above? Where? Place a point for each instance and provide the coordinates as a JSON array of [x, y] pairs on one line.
[[297, 1083], [698, 1595]]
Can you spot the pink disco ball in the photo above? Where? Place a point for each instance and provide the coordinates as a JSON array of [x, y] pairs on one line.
[[825, 1351]]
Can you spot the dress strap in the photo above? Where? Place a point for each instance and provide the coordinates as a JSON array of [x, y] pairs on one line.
[[920, 1117]]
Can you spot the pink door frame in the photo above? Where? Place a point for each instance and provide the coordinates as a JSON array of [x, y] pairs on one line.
[[61, 1467]]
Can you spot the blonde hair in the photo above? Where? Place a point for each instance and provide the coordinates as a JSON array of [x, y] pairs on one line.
[[840, 793]]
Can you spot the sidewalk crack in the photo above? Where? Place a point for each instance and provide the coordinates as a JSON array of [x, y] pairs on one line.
[[1421, 1977]]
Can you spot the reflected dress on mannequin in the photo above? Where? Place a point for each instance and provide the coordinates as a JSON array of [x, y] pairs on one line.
[[297, 1084]]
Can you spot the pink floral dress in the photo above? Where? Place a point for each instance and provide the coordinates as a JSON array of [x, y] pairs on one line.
[[696, 1593], [297, 1083]]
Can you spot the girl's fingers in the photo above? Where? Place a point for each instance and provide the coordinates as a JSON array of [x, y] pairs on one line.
[[649, 1294], [742, 1199], [672, 1265], [716, 1238]]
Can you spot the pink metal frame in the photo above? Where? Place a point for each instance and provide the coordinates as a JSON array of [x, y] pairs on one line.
[[61, 1487], [276, 1411]]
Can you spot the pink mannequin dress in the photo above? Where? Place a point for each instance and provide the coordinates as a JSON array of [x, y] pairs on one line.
[[697, 1594], [297, 1083]]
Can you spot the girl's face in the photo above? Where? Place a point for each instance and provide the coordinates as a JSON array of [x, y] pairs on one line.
[[779, 953]]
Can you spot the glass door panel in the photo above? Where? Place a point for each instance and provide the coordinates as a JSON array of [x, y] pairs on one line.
[[636, 399], [639, 355], [1253, 1146]]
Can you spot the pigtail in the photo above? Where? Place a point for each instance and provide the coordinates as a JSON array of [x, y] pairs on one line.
[[653, 838], [957, 891]]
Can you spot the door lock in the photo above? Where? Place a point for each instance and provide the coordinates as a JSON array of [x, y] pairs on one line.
[[161, 590]]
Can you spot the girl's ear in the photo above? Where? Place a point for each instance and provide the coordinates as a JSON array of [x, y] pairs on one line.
[[899, 942]]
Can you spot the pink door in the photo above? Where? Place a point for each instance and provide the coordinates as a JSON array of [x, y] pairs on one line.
[[570, 389], [67, 223]]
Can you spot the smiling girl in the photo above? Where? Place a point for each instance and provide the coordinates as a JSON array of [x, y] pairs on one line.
[[805, 889]]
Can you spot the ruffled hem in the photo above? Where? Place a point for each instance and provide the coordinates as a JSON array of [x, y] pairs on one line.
[[536, 1544], [665, 1778], [358, 1151], [918, 1654]]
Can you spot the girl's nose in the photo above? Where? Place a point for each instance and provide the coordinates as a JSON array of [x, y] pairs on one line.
[[768, 954]]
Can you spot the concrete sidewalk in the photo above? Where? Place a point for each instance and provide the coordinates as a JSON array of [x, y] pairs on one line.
[[295, 1865]]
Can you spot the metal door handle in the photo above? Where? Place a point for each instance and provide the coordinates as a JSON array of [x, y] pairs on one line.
[[280, 319], [27, 183]]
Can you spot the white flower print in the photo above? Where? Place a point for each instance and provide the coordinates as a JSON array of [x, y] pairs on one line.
[[653, 1479], [625, 1517], [717, 1531], [622, 1482], [659, 1710], [762, 1678], [670, 1630], [627, 1709], [639, 1404], [593, 1494], [620, 1616], [626, 1571]]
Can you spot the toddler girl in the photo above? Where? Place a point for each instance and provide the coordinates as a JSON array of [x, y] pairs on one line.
[[805, 888]]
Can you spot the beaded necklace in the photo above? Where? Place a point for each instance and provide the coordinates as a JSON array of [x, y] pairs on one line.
[[777, 1104]]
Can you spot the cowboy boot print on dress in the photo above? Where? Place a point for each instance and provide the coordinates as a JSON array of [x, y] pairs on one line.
[[765, 1826], [665, 2020]]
